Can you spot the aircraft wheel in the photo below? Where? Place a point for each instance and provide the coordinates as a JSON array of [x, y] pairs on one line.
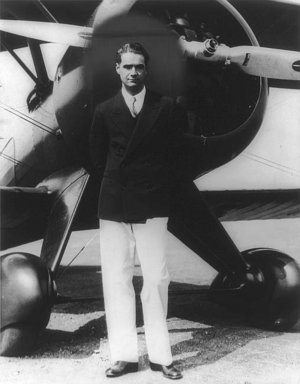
[[271, 292], [18, 339], [27, 295]]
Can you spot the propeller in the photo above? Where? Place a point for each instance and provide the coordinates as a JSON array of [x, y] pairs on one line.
[[256, 61], [253, 60], [111, 8], [72, 35]]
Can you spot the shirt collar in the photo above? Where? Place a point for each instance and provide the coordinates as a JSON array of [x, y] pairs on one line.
[[139, 96]]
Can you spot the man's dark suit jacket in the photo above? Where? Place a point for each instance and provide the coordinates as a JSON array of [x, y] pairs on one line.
[[138, 159]]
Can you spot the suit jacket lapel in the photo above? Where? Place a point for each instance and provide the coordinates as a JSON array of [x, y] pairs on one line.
[[145, 121], [120, 112]]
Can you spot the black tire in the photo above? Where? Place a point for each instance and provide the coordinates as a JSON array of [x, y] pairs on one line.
[[18, 339], [274, 303], [27, 294]]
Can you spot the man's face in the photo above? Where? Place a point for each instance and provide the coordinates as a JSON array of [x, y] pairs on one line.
[[132, 71]]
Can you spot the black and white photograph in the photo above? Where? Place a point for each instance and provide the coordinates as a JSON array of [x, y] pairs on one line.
[[150, 191]]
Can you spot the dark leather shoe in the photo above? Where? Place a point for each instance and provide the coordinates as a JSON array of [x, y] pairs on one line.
[[168, 371], [120, 368]]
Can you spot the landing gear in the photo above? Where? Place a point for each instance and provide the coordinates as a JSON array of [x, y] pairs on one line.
[[270, 292], [27, 287], [27, 294]]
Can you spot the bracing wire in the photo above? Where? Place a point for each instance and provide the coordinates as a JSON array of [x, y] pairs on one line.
[[76, 256], [271, 164], [13, 160], [28, 119]]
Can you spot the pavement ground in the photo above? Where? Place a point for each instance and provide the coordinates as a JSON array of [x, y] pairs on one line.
[[210, 344]]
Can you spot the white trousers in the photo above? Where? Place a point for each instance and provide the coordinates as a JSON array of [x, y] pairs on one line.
[[118, 244]]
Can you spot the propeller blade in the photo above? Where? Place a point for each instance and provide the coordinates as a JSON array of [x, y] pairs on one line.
[[111, 8], [256, 61], [267, 62], [73, 35]]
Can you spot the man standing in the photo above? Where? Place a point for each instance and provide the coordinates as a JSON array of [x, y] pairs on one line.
[[134, 143]]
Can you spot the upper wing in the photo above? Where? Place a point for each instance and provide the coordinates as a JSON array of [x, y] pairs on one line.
[[254, 204]]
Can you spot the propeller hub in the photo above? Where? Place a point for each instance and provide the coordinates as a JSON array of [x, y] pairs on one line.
[[211, 46]]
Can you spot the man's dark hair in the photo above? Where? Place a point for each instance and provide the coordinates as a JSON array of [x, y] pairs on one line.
[[134, 48]]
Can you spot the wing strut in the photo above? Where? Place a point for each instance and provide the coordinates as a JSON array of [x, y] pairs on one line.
[[43, 86], [20, 62], [70, 184], [38, 61]]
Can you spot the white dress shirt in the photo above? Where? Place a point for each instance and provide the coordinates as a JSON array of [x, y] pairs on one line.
[[138, 103]]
